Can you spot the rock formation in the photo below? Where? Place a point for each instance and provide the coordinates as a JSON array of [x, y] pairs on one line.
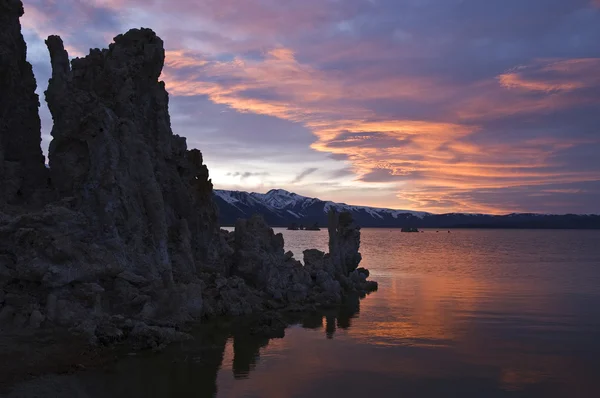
[[22, 169], [344, 241], [114, 154], [130, 246]]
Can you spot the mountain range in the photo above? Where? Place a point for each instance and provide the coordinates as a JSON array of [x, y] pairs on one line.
[[281, 208]]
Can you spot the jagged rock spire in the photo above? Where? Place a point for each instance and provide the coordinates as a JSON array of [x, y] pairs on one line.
[[114, 153], [344, 241], [22, 169]]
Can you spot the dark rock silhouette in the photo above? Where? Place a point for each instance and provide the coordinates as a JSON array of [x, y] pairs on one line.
[[344, 241], [261, 261], [295, 227], [314, 227], [22, 170], [409, 229], [127, 245], [114, 153]]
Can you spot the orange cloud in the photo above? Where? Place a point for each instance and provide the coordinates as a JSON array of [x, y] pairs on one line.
[[434, 165], [554, 76]]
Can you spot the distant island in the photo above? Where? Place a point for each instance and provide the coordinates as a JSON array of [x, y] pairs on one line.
[[410, 229], [282, 209], [301, 227]]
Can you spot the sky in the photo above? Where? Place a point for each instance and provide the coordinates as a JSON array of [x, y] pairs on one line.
[[481, 106]]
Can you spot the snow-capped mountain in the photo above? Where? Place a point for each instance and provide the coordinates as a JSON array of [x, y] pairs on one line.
[[281, 208]]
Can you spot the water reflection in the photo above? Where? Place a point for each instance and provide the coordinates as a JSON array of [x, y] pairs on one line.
[[191, 369], [467, 314]]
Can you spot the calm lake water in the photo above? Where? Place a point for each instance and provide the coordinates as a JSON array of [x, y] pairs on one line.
[[471, 313]]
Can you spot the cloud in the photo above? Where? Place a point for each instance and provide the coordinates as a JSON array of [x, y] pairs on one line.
[[554, 75], [247, 174], [423, 153], [82, 24], [305, 173], [448, 104], [340, 173]]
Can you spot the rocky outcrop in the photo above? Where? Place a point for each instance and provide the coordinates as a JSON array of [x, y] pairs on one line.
[[323, 279], [22, 170], [261, 260], [128, 247], [113, 153], [135, 225], [344, 242], [340, 265]]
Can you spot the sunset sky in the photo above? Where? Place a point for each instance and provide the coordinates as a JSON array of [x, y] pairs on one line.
[[437, 105]]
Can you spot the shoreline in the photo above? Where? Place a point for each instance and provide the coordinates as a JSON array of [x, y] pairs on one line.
[[35, 363]]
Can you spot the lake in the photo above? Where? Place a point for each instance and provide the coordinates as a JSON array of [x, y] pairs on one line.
[[471, 313]]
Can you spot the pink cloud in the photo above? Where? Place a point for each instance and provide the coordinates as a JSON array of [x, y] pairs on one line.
[[554, 75], [434, 158], [365, 100]]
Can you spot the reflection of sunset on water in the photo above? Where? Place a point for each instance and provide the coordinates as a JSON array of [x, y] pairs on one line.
[[470, 314]]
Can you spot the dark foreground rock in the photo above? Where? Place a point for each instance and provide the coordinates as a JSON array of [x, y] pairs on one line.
[[125, 245]]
